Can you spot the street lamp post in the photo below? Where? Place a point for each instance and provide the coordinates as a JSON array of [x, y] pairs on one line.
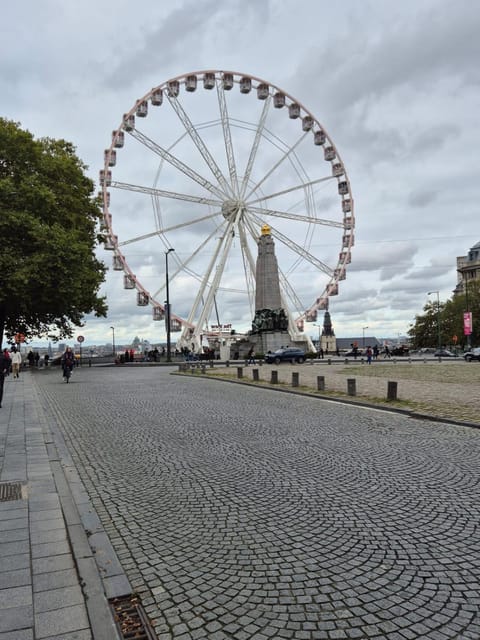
[[363, 336], [113, 341], [167, 307], [439, 332]]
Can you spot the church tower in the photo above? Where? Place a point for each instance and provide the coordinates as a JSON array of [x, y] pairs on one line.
[[328, 341]]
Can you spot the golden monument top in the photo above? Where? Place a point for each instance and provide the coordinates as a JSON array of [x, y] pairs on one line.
[[265, 230]]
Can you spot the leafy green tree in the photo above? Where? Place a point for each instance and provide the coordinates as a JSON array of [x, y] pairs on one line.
[[424, 333], [49, 275]]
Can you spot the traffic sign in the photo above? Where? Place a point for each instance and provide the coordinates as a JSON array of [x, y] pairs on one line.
[[80, 339]]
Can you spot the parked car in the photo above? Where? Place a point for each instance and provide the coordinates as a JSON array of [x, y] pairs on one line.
[[473, 354], [289, 354], [444, 353]]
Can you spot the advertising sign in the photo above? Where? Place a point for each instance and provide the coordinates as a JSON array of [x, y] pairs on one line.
[[467, 323]]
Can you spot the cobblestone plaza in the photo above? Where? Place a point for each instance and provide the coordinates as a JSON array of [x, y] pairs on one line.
[[248, 513]]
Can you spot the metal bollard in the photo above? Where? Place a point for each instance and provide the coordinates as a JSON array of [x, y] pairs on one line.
[[345, 361], [320, 383], [211, 364], [274, 377], [239, 372], [204, 368], [295, 376], [255, 375], [227, 363], [351, 387], [329, 361], [392, 390]]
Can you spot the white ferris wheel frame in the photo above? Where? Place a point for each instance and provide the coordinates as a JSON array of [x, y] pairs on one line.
[[229, 196]]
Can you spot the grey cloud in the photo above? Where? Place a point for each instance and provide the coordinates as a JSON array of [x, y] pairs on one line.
[[187, 33], [421, 198]]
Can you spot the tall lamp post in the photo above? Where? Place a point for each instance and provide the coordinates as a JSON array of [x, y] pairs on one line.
[[439, 333], [167, 307], [113, 341], [363, 336]]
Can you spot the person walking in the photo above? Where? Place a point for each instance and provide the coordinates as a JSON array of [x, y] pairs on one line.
[[251, 356], [16, 359], [4, 366], [8, 365], [369, 355]]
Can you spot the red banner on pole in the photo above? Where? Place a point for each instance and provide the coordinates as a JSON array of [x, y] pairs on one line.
[[467, 323]]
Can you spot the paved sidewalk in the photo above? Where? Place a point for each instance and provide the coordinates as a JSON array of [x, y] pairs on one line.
[[50, 583]]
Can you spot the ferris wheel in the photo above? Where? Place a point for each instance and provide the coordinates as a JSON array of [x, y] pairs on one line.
[[195, 169]]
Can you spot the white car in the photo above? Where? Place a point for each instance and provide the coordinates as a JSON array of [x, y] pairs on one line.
[[473, 354]]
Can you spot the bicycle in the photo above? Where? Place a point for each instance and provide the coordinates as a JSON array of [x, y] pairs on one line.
[[67, 373]]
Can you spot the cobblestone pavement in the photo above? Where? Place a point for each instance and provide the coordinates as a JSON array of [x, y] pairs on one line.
[[244, 513]]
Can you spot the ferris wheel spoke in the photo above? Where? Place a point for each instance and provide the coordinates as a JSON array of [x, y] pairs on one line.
[[256, 143], [164, 230], [277, 164], [165, 194], [183, 267], [225, 243], [249, 265], [175, 162], [313, 260], [289, 291], [303, 185], [202, 302], [227, 137], [294, 216], [200, 144]]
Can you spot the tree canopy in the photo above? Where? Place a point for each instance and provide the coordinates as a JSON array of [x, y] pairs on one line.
[[424, 333], [49, 274]]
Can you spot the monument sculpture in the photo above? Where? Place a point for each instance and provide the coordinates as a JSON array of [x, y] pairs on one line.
[[270, 324]]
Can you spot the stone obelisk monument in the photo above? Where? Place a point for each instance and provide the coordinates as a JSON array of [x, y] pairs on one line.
[[270, 324]]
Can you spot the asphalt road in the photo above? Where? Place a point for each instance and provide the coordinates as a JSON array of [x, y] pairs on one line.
[[248, 513]]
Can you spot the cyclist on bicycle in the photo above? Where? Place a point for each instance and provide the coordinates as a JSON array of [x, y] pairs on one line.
[[68, 361]]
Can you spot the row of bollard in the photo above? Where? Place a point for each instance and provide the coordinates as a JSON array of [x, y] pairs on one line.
[[193, 367], [351, 382]]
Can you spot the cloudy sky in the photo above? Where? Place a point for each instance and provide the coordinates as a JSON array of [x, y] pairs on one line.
[[396, 86]]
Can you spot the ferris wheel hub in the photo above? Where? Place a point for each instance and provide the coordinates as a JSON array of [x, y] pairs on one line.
[[230, 208]]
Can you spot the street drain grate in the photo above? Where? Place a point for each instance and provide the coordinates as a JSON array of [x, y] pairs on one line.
[[10, 491], [131, 619]]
